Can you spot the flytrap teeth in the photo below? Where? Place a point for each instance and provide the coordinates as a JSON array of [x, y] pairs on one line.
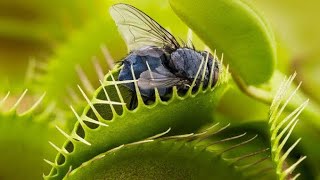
[[50, 163], [15, 106], [4, 98], [96, 113], [159, 135], [281, 129], [62, 151], [85, 80], [108, 98], [36, 104], [238, 145], [248, 166], [193, 84], [98, 68], [107, 56], [137, 90], [237, 159], [74, 137], [117, 88], [226, 139], [85, 118]]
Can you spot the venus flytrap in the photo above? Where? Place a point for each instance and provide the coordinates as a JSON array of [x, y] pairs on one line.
[[168, 157], [107, 122], [163, 137], [281, 130], [22, 149]]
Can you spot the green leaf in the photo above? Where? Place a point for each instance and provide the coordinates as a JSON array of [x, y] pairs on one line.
[[107, 122], [235, 29], [24, 136], [179, 157], [203, 155]]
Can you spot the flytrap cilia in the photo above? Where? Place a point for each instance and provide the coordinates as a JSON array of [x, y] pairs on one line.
[[156, 58]]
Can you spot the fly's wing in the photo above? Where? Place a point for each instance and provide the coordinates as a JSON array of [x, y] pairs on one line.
[[140, 30], [160, 78]]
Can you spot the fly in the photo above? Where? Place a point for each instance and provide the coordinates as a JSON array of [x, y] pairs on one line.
[[156, 57]]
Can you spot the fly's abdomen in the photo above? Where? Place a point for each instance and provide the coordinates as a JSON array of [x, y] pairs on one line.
[[138, 60]]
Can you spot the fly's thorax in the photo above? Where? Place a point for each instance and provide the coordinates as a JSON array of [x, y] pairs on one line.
[[186, 63]]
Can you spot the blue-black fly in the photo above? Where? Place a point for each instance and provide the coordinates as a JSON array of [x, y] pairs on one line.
[[156, 57]]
